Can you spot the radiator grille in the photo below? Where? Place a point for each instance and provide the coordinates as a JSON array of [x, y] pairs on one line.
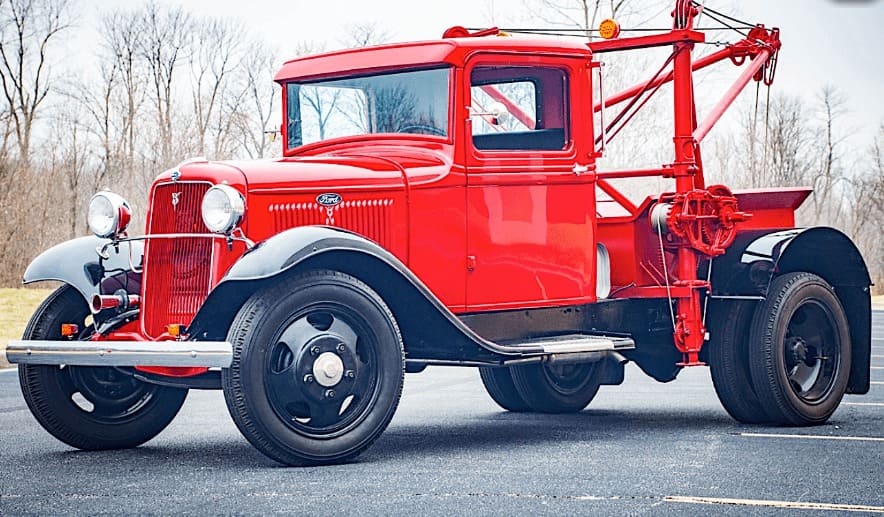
[[177, 272], [371, 218]]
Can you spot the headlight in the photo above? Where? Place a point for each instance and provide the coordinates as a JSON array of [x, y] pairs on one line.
[[223, 208], [108, 215]]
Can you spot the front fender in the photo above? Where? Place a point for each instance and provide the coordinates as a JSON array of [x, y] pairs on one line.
[[423, 319], [77, 263]]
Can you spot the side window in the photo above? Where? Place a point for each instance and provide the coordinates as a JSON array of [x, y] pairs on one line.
[[519, 108]]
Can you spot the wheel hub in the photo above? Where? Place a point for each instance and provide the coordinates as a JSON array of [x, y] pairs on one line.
[[328, 370], [800, 351]]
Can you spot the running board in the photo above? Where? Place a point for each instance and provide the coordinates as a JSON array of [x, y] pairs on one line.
[[569, 344], [217, 354], [564, 349]]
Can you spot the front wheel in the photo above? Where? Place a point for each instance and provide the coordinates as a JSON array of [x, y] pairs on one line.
[[799, 350], [317, 371], [90, 408]]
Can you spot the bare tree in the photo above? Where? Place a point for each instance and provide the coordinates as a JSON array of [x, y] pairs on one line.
[[217, 54], [829, 172], [260, 103], [123, 40], [167, 42], [29, 28], [70, 164], [579, 14], [366, 33], [866, 198]]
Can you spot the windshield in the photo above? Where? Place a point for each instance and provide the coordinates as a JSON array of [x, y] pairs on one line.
[[405, 102]]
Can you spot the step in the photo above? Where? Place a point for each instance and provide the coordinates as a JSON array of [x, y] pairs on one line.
[[572, 344]]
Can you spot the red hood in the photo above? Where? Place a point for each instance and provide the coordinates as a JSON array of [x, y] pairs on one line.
[[357, 168]]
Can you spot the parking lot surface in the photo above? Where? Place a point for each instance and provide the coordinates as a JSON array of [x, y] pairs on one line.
[[642, 448]]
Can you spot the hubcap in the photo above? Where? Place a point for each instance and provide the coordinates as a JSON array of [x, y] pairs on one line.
[[328, 369], [321, 372], [811, 352], [104, 393]]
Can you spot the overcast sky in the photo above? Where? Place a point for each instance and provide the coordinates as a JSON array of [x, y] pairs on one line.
[[824, 41]]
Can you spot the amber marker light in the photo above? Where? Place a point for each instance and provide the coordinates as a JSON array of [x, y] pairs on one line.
[[69, 329], [175, 329], [609, 29]]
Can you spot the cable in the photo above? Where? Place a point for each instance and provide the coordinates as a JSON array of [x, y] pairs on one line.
[[713, 11], [637, 98], [666, 271], [566, 31], [744, 34]]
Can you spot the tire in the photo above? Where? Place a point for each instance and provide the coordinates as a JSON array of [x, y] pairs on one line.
[[564, 388], [90, 408], [799, 351], [729, 364], [499, 385], [317, 372]]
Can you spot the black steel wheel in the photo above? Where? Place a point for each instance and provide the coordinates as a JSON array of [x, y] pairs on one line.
[[729, 362], [91, 408], [498, 383], [317, 372], [563, 388], [799, 350]]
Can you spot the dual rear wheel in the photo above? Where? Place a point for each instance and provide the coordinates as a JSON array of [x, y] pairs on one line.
[[787, 360], [543, 388]]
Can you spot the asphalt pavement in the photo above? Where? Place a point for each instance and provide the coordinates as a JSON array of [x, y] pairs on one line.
[[642, 448]]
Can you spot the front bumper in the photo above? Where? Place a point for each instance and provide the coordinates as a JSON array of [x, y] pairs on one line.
[[210, 354]]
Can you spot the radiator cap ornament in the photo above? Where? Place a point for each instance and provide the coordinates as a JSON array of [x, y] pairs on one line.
[[329, 200]]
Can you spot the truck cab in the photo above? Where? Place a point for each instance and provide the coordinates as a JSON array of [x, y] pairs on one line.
[[487, 138]]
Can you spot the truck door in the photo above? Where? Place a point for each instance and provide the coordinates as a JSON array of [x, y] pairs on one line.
[[530, 187]]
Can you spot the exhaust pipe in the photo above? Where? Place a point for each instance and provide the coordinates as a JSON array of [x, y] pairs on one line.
[[120, 300]]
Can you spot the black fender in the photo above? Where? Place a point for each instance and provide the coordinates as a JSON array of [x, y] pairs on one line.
[[757, 257], [77, 263], [429, 329]]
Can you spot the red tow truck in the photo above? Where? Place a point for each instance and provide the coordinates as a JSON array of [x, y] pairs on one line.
[[439, 203]]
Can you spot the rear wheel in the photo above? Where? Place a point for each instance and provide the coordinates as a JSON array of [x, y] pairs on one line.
[[729, 363], [499, 385], [317, 372], [800, 350], [562, 388], [86, 407]]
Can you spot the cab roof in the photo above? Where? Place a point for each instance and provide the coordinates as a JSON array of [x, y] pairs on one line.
[[453, 51]]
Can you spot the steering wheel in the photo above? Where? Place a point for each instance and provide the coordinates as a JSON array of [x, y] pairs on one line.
[[418, 128]]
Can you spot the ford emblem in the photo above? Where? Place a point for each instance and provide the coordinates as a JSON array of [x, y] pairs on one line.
[[329, 200]]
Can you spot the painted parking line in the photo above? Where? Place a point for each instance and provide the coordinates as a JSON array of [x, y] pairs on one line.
[[5, 370], [877, 383], [794, 505], [814, 437], [871, 404]]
